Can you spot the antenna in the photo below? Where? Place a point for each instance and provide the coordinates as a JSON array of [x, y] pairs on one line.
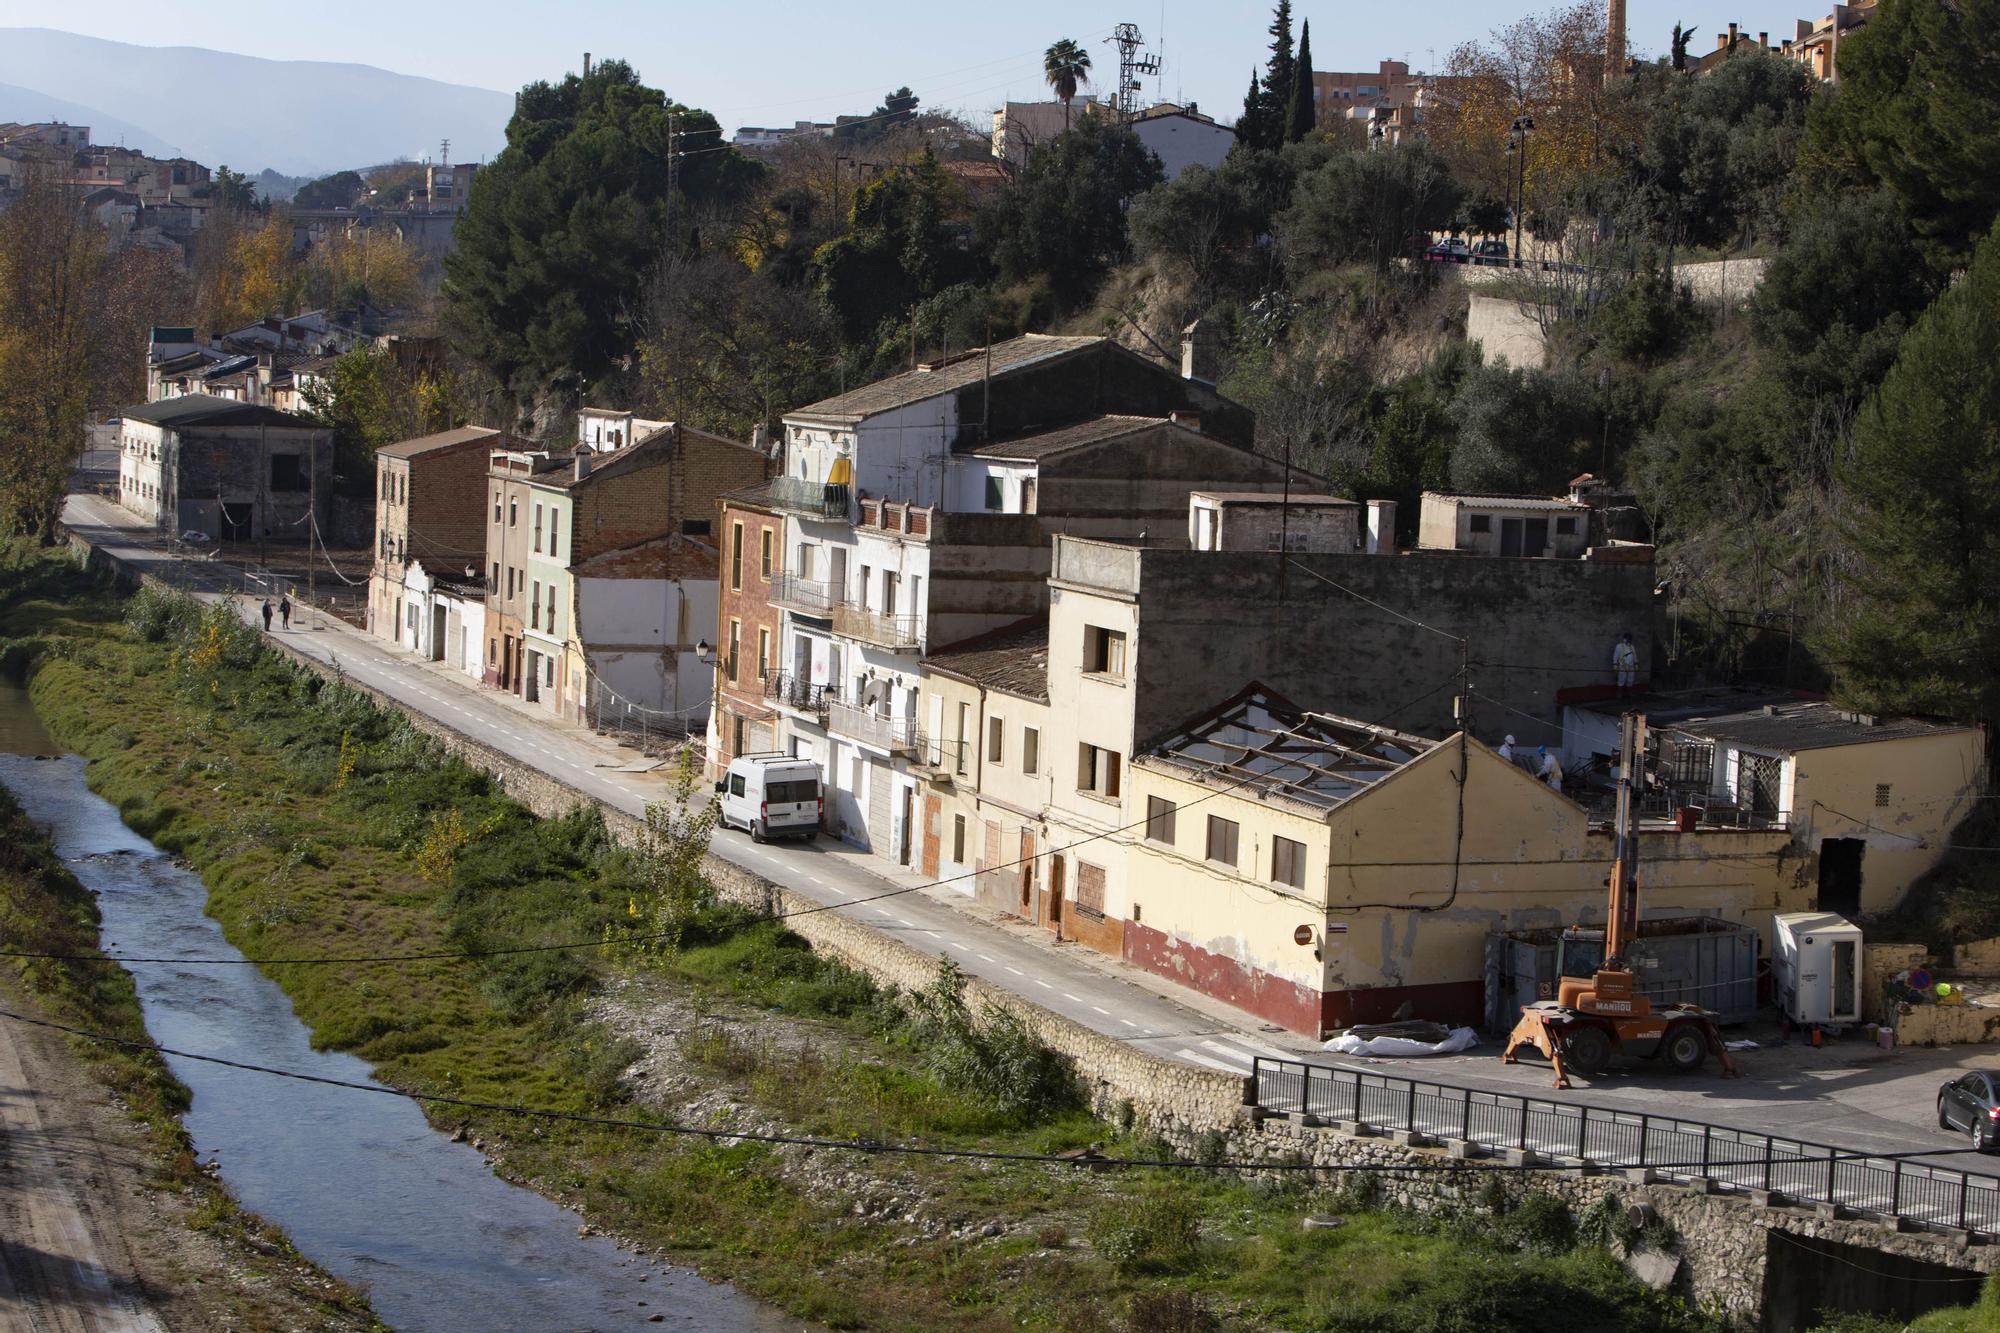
[[1130, 66], [444, 153]]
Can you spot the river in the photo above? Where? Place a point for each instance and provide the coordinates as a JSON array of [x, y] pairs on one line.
[[360, 1182]]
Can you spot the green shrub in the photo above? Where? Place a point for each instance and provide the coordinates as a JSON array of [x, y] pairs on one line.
[[1541, 1223], [995, 1056]]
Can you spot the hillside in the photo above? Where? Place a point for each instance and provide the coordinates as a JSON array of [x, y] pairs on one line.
[[300, 117], [27, 104]]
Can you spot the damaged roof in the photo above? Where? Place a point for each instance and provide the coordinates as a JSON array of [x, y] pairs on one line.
[[1768, 719], [201, 409], [933, 378], [1013, 659], [1261, 743]]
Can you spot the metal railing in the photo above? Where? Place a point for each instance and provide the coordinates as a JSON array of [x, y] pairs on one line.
[[787, 689], [1795, 1170], [811, 499], [898, 633], [872, 728], [811, 596]]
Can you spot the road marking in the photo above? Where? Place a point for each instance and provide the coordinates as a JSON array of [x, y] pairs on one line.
[[1017, 971], [1195, 1057], [1128, 1022], [986, 958], [1077, 998], [906, 921], [1105, 1012], [1043, 984]]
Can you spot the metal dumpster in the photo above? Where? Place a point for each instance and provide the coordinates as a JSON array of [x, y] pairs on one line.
[[1697, 960]]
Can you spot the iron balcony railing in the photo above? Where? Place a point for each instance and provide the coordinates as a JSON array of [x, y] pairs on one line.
[[898, 633], [810, 596], [1792, 1170], [811, 499], [788, 690], [872, 728]]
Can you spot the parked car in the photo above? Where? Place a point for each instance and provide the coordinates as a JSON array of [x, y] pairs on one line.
[[1450, 250], [771, 796], [1971, 1102], [1490, 252]]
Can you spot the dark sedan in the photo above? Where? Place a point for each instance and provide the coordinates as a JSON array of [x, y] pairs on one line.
[[1971, 1102]]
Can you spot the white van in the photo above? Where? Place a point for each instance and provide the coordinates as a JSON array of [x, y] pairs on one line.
[[771, 796]]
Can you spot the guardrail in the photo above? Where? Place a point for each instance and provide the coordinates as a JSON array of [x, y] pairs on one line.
[[897, 633], [871, 727], [815, 597], [1792, 1170]]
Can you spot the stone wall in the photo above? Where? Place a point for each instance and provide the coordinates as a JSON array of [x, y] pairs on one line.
[[1506, 330]]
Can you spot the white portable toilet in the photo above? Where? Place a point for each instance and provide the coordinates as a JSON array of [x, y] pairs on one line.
[[1816, 968]]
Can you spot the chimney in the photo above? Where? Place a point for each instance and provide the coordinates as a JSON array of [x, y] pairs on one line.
[[582, 461], [760, 439], [1381, 536], [1614, 40], [1764, 40], [1198, 352], [1734, 37], [586, 64]]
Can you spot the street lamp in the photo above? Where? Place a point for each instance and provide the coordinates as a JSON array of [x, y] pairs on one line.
[[1517, 148]]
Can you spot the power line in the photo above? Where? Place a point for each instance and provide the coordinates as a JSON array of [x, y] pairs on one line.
[[1359, 597], [871, 1146]]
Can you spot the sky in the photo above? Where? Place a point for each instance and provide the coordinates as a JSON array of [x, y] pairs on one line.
[[781, 61]]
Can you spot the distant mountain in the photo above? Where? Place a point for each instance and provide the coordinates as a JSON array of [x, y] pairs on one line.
[[25, 104], [299, 117]]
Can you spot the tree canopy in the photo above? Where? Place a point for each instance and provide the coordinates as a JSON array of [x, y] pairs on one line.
[[1063, 218]]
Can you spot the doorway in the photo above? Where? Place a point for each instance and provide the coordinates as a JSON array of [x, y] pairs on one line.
[[1840, 875], [1510, 536], [437, 634], [1054, 921], [909, 818]]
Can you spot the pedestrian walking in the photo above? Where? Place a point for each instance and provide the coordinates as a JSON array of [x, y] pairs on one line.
[[267, 615], [1552, 769], [285, 611]]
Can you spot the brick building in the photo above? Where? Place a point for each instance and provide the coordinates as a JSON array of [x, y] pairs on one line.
[[430, 502], [753, 553]]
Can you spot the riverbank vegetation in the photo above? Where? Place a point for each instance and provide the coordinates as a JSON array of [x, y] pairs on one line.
[[248, 1274], [327, 827]]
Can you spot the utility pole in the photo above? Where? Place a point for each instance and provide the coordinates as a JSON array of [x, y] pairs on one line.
[[312, 517], [1130, 66]]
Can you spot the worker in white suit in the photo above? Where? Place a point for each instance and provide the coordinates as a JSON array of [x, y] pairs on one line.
[[1625, 662], [1551, 769], [1506, 750]]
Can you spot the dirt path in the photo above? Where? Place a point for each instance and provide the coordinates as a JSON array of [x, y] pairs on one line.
[[64, 1261], [89, 1244]]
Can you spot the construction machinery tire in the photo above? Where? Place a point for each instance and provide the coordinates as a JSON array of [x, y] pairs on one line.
[[1586, 1049], [1686, 1047]]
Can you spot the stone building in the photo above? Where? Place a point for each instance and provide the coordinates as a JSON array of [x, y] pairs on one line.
[[234, 472]]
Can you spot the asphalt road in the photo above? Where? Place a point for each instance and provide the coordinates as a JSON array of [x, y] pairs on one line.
[[1848, 1094]]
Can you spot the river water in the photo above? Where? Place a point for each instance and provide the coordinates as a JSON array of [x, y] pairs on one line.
[[360, 1182]]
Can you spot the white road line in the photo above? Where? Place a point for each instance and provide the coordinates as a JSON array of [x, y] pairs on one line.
[[1195, 1057], [1017, 971], [1128, 1022], [1043, 984], [906, 921], [987, 958], [1272, 1051], [1228, 1053], [1077, 998], [1105, 1012]]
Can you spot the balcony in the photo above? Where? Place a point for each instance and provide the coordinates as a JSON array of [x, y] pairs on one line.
[[808, 596], [801, 696], [896, 633], [811, 499], [872, 728]]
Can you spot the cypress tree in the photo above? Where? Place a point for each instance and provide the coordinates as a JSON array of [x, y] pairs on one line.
[[1302, 116], [1278, 78], [1250, 125]]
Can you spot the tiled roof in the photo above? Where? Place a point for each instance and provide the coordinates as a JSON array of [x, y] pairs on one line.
[[1040, 444], [1767, 719], [445, 440], [1013, 659], [1508, 501], [200, 409], [913, 386]]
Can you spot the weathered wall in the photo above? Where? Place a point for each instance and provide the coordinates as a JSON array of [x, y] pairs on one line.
[[1210, 622], [1506, 331]]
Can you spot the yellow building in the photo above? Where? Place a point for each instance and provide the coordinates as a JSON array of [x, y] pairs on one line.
[[1320, 872]]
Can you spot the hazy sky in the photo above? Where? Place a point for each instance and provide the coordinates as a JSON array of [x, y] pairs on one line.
[[780, 61]]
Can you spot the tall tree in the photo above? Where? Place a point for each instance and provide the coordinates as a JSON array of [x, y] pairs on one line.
[[1250, 127], [50, 256], [1063, 219], [901, 247], [1924, 480], [1281, 72], [1302, 115], [1065, 65], [554, 246], [1919, 112]]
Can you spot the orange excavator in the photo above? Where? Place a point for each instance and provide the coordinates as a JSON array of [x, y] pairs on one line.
[[1596, 1019]]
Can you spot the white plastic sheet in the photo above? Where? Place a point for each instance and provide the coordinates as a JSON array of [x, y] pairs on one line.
[[1461, 1039]]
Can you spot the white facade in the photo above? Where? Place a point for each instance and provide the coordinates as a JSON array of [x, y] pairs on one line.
[[634, 629], [545, 626], [145, 462], [1181, 141]]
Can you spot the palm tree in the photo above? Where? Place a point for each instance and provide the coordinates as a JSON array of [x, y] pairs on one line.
[[1065, 65]]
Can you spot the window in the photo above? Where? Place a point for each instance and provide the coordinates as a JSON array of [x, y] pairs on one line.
[[496, 506], [1565, 527], [548, 670], [763, 654], [996, 494], [736, 557], [1090, 890], [958, 839], [735, 645], [1097, 771], [735, 784], [552, 608], [1103, 651], [555, 528], [1288, 862], [495, 581], [1031, 751], [1479, 523], [513, 511], [1222, 840], [996, 740], [1159, 820], [535, 607], [510, 583], [287, 474], [1881, 796], [492, 651], [696, 527], [964, 733], [764, 553], [538, 529]]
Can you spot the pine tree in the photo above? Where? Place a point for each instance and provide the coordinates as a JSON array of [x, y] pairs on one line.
[[1250, 125], [1923, 634], [1302, 115], [1279, 75]]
